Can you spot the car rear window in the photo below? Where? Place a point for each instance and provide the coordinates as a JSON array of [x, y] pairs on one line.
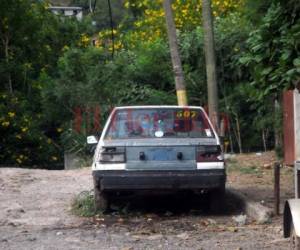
[[158, 123]]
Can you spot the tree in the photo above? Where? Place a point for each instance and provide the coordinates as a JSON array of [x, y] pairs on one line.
[[176, 61], [272, 57], [211, 74]]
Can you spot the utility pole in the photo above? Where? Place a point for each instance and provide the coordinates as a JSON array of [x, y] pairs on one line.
[[176, 62], [210, 58], [112, 29]]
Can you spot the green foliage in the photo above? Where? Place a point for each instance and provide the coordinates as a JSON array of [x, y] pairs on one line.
[[271, 60], [272, 56], [101, 12], [32, 39], [22, 141], [48, 69], [87, 77]]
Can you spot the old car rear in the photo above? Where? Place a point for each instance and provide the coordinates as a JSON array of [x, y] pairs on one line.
[[158, 148]]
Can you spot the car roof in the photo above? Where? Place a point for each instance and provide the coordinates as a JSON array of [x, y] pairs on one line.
[[158, 106]]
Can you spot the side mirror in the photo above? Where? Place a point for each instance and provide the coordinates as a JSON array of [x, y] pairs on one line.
[[91, 139]]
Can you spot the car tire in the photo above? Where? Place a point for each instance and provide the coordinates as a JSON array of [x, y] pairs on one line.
[[294, 239], [101, 200], [217, 200]]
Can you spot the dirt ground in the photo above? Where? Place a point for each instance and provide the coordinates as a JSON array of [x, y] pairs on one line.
[[253, 175], [35, 213]]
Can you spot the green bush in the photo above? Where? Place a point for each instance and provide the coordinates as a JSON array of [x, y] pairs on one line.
[[23, 141]]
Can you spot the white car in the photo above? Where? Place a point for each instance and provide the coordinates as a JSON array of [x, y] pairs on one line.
[[158, 148]]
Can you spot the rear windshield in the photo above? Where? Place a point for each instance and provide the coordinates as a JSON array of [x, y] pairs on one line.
[[158, 123]]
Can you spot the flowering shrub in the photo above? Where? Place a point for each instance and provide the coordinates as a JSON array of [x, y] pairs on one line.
[[149, 24], [22, 140]]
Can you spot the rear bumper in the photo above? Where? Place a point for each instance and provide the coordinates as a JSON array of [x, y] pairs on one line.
[[160, 180]]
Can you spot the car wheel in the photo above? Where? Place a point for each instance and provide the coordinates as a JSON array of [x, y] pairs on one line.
[[217, 200], [100, 198], [294, 239]]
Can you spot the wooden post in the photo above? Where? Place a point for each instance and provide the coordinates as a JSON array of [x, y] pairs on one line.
[[176, 61], [276, 187], [210, 61]]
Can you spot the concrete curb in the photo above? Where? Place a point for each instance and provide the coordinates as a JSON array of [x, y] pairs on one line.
[[253, 209]]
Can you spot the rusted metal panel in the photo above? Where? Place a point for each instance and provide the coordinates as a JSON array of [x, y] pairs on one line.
[[288, 124]]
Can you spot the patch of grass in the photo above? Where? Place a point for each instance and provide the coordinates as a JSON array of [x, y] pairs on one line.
[[235, 167], [83, 204], [250, 170], [232, 166]]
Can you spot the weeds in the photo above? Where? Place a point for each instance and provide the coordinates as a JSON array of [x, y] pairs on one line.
[[250, 170], [83, 204], [234, 167]]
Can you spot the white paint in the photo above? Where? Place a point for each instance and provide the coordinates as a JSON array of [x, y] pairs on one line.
[[122, 166], [208, 132], [115, 166], [295, 211], [210, 165], [91, 139], [68, 12], [297, 124]]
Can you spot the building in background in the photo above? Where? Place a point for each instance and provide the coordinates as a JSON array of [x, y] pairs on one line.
[[67, 11]]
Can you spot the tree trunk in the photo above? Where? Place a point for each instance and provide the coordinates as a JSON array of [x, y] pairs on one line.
[[264, 140], [210, 59], [239, 134], [230, 136], [5, 41], [176, 62]]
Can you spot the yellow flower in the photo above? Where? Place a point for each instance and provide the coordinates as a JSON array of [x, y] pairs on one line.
[[24, 129], [65, 48], [11, 114], [19, 137], [19, 160], [54, 158], [85, 40], [59, 130], [49, 141], [5, 124]]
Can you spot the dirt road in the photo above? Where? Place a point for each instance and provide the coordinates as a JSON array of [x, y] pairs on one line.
[[35, 214]]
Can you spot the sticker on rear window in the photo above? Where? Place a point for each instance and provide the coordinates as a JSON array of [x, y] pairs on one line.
[[208, 132], [159, 133]]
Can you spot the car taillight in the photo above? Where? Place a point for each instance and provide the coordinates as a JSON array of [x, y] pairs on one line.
[[112, 155], [209, 153]]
